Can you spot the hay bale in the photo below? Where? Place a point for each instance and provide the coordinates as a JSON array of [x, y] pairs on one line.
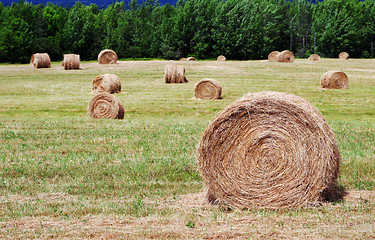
[[107, 56], [40, 60], [183, 59], [175, 74], [109, 83], [221, 58], [207, 89], [269, 149], [343, 56], [334, 79], [272, 57], [105, 105], [190, 59], [314, 57], [285, 56], [71, 61]]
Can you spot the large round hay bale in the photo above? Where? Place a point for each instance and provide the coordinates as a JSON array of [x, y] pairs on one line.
[[271, 150], [109, 83], [221, 58], [272, 57], [175, 74], [334, 79], [343, 55], [107, 56], [190, 59], [314, 57], [71, 61], [207, 89], [40, 60], [105, 105], [285, 56], [183, 59]]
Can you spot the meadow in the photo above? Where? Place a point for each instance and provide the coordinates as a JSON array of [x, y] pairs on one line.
[[65, 175]]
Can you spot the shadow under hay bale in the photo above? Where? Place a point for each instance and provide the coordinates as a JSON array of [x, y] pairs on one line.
[[207, 89], [107, 56], [314, 57], [175, 74], [343, 56], [334, 79], [105, 105], [285, 56], [190, 59], [221, 58], [71, 61], [109, 83], [272, 57], [40, 60], [271, 150]]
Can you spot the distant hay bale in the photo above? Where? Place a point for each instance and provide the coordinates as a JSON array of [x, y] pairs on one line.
[[40, 60], [207, 89], [107, 56], [221, 58], [272, 57], [175, 74], [271, 150], [190, 59], [183, 59], [109, 83], [343, 55], [314, 57], [334, 79], [285, 56], [71, 61], [105, 105]]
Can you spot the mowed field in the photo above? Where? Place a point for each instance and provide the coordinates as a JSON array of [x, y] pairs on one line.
[[65, 175]]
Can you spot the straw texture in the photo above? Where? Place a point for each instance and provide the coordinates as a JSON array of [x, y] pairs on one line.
[[40, 60], [344, 56], [109, 83], [105, 105], [71, 61], [271, 150], [285, 56], [175, 74], [334, 79], [272, 57], [107, 56], [314, 57], [207, 89], [221, 58]]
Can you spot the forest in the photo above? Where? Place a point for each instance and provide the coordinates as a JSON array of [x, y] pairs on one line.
[[238, 29]]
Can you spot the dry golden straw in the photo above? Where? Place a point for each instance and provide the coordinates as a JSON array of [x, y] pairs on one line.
[[314, 57], [40, 60], [221, 58], [207, 89], [109, 83], [105, 105], [71, 61], [190, 59], [272, 57], [271, 150], [343, 55], [183, 59], [285, 56], [334, 79], [107, 56], [175, 74]]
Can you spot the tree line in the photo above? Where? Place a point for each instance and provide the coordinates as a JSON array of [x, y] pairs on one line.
[[238, 29]]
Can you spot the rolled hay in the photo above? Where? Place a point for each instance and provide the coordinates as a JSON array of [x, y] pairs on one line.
[[183, 59], [190, 59], [207, 89], [272, 57], [221, 58], [109, 83], [343, 55], [107, 56], [71, 61], [40, 60], [285, 56], [271, 150], [334, 79], [314, 57], [175, 74], [105, 105]]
